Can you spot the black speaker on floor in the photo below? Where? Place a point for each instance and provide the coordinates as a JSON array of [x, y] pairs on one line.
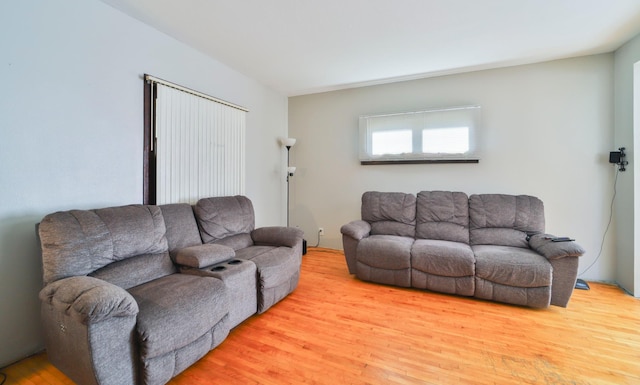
[[304, 247], [582, 284]]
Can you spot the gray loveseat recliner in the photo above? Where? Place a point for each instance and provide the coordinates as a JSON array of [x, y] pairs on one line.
[[135, 294], [490, 246]]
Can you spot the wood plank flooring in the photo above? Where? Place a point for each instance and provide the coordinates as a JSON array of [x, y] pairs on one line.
[[335, 329]]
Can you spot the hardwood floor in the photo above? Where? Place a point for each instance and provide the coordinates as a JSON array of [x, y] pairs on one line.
[[335, 329]]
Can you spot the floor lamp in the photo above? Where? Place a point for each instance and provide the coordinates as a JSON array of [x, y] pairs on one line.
[[288, 143]]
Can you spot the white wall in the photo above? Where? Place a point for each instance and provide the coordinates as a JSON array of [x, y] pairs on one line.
[[71, 131], [547, 131], [628, 197]]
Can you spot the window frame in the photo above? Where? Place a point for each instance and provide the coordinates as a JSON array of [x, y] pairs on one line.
[[417, 121]]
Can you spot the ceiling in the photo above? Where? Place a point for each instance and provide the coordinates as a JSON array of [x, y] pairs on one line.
[[306, 46]]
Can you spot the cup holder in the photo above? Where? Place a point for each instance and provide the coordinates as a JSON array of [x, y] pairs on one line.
[[218, 268], [235, 262]]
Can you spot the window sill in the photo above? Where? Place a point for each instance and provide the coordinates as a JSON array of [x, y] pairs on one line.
[[417, 161]]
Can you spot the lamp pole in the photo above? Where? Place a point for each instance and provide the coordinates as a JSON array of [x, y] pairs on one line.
[[288, 143], [288, 148]]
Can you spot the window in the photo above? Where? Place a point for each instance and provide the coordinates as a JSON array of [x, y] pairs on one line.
[[194, 145], [438, 135]]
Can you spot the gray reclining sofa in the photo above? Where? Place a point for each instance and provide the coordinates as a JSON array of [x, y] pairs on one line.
[[136, 294], [489, 246]]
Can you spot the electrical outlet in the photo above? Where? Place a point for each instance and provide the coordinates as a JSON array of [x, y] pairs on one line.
[[321, 231]]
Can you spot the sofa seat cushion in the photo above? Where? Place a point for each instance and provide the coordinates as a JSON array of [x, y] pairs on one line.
[[444, 258], [512, 266], [389, 252], [176, 310], [385, 259], [443, 266], [275, 265], [278, 272]]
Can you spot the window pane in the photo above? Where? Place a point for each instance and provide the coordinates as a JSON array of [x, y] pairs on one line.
[[391, 142], [445, 140]]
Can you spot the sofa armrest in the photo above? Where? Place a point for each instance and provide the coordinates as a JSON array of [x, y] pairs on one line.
[[200, 256], [88, 299], [356, 229], [352, 233], [543, 244], [277, 236]]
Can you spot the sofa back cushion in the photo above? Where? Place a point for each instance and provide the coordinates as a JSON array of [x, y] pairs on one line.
[[182, 229], [442, 215], [226, 220], [389, 213], [499, 219], [86, 242]]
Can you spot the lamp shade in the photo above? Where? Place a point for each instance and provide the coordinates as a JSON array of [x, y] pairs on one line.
[[288, 142]]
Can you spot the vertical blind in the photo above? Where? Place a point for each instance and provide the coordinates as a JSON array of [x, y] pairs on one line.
[[199, 146]]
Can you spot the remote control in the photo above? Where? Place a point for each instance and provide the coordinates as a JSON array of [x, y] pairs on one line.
[[562, 239]]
